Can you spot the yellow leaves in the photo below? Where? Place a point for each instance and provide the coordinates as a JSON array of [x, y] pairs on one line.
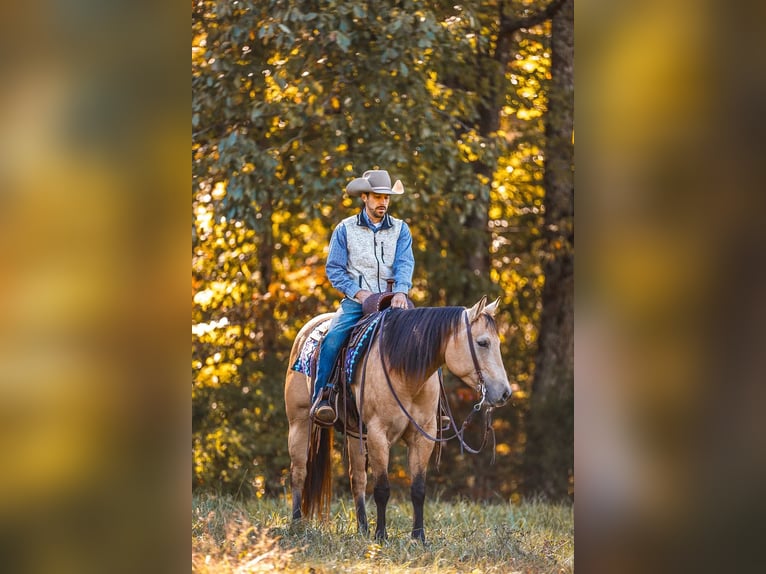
[[335, 103], [214, 291], [280, 217], [290, 92], [277, 89], [203, 298], [466, 151], [527, 114], [215, 374], [219, 190], [199, 42]]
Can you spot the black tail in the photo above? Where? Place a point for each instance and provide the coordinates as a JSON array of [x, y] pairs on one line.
[[317, 489]]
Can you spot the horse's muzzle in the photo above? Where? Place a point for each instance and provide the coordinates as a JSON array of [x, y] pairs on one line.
[[498, 395]]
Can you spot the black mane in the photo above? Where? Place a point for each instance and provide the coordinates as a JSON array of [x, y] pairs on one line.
[[413, 341]]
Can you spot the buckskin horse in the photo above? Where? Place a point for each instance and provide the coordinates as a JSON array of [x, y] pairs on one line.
[[397, 390]]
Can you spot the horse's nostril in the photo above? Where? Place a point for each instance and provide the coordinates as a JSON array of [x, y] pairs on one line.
[[506, 395]]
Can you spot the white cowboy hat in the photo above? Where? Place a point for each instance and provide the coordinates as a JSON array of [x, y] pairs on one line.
[[374, 181]]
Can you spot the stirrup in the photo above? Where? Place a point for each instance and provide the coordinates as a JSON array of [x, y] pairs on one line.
[[323, 414]]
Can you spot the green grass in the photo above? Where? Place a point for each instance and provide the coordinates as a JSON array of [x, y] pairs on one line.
[[462, 536]]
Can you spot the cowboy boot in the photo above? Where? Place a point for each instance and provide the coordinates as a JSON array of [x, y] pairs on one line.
[[321, 411]]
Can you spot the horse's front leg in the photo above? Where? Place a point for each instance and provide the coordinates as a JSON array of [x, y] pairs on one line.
[[378, 453], [357, 454], [381, 493], [419, 453]]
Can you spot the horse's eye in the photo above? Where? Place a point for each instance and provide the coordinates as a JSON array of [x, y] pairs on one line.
[[483, 343]]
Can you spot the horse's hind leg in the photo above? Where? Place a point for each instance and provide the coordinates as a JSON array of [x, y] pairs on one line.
[[298, 439], [297, 407], [357, 454]]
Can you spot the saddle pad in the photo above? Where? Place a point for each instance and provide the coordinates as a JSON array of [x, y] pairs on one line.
[[306, 361], [359, 342], [356, 346]]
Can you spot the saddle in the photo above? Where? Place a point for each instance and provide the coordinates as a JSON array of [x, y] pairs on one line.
[[381, 301], [339, 391]]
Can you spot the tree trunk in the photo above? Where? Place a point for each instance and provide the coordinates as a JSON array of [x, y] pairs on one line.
[[478, 237], [266, 272], [549, 456]]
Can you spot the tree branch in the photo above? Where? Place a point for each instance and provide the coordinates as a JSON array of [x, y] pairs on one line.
[[509, 26]]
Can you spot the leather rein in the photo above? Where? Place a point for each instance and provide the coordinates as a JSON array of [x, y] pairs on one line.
[[443, 402]]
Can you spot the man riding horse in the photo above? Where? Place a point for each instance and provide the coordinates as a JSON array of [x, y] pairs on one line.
[[366, 250]]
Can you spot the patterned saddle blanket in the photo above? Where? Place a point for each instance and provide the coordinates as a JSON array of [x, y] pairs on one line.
[[306, 362], [350, 355]]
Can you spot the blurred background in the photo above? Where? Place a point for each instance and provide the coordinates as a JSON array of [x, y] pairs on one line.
[[669, 312], [94, 414]]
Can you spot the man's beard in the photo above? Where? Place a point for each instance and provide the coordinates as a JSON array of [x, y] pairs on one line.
[[378, 212]]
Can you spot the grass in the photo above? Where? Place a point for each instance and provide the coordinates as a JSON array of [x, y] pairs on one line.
[[462, 537]]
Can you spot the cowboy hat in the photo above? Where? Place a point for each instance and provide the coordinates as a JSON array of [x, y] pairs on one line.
[[374, 181]]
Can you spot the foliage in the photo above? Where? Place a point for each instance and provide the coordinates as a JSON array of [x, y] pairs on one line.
[[290, 100], [237, 411], [462, 536]]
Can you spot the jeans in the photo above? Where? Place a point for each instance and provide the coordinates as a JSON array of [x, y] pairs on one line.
[[340, 328]]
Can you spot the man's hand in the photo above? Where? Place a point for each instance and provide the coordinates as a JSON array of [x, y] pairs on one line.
[[362, 294], [399, 301]]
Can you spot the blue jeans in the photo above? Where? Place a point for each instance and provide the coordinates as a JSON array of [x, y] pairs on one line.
[[340, 328]]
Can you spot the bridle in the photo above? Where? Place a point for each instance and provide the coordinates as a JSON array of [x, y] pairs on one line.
[[482, 384]]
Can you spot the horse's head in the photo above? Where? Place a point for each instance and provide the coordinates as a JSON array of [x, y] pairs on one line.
[[485, 361]]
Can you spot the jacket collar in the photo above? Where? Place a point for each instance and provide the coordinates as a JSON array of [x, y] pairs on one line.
[[362, 221]]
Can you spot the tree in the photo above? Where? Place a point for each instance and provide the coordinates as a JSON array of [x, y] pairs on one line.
[[489, 39], [549, 459]]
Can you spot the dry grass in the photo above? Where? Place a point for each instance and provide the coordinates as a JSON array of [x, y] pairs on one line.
[[463, 536]]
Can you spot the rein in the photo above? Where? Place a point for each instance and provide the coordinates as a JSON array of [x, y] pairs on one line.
[[444, 403]]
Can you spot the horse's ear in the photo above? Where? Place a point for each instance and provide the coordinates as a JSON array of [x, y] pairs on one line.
[[475, 311], [492, 307]]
